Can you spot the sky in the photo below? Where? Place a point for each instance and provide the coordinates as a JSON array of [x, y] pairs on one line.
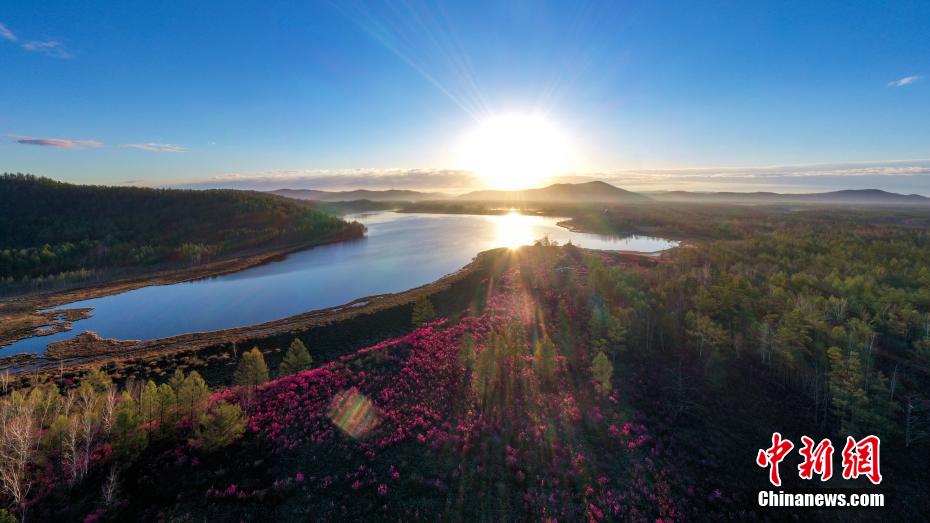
[[783, 95]]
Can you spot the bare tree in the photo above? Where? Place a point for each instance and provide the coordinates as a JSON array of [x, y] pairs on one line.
[[110, 399], [5, 381], [18, 443], [111, 488]]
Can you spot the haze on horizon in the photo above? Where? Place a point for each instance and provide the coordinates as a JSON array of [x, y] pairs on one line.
[[773, 96]]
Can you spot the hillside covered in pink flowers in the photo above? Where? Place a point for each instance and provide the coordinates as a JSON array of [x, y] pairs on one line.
[[582, 387]]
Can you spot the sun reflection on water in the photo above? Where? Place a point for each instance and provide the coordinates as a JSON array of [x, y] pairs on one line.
[[514, 230]]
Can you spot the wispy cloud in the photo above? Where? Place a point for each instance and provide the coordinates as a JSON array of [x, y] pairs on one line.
[[907, 80], [6, 34], [52, 48], [342, 179], [156, 147], [59, 143]]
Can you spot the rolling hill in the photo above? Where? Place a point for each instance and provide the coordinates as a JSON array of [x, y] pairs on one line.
[[845, 197], [562, 193], [49, 227]]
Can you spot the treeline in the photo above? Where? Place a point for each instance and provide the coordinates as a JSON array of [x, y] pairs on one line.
[[841, 314], [59, 433], [51, 230]]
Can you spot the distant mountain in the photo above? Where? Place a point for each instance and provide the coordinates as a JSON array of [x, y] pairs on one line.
[[602, 192], [562, 192], [846, 197], [359, 194]]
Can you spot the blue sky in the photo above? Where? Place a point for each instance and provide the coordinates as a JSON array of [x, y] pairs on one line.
[[702, 95]]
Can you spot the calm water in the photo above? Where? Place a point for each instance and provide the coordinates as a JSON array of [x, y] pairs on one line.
[[400, 251]]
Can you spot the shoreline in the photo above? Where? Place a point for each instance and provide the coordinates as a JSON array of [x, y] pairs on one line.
[[91, 347], [30, 310], [86, 350]]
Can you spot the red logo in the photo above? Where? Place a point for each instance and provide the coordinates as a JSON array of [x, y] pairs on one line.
[[772, 456], [816, 460], [860, 458]]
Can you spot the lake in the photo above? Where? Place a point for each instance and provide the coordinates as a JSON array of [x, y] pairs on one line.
[[400, 251]]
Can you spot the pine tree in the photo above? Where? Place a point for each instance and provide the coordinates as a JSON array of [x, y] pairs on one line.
[[423, 311], [616, 334], [166, 406], [603, 372], [176, 380], [193, 394], [544, 361], [128, 438], [297, 359], [148, 399], [252, 369], [220, 427]]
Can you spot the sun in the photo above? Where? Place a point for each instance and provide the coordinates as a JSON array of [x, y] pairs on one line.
[[516, 151]]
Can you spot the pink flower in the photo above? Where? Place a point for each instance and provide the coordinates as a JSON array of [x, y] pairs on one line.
[[382, 490], [299, 477]]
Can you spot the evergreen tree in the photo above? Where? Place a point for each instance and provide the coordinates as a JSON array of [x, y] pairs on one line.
[[193, 394], [705, 333], [176, 380], [128, 438], [252, 369], [603, 372], [544, 361], [616, 334], [220, 427], [166, 406], [296, 359], [148, 399], [423, 311]]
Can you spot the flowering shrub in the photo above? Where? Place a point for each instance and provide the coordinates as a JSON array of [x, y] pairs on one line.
[[567, 453]]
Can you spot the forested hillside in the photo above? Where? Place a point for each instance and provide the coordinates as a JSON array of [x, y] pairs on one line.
[[587, 386], [51, 229]]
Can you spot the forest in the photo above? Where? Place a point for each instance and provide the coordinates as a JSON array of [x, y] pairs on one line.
[[583, 385], [52, 231]]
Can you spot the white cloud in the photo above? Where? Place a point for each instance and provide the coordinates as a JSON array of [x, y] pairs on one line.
[[58, 143], [156, 147], [907, 80], [51, 48], [6, 34]]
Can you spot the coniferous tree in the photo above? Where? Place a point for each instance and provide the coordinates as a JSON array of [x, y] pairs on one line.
[[603, 372], [220, 427], [193, 394], [166, 406], [423, 311], [128, 438], [296, 359], [544, 361], [252, 369]]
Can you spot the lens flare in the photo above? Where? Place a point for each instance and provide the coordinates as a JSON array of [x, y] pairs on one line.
[[353, 413]]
